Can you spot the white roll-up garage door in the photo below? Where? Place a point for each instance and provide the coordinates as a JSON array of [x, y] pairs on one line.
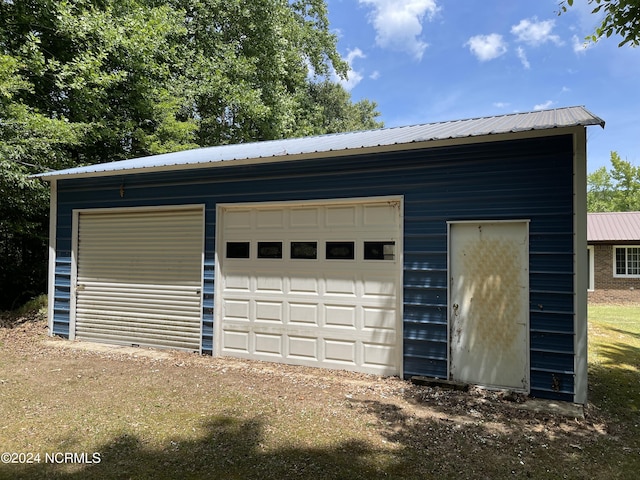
[[312, 284], [139, 276]]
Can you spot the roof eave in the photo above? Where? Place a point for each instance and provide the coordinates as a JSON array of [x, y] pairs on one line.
[[285, 157]]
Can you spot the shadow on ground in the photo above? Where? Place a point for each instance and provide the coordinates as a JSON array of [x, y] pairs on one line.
[[614, 379], [229, 450], [478, 442], [465, 436]]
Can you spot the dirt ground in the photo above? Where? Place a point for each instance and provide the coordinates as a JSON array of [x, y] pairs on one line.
[[397, 427], [30, 338]]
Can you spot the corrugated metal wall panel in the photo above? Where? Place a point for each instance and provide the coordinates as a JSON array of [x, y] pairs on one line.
[[551, 322], [139, 277], [523, 179], [208, 306], [551, 342], [62, 295]]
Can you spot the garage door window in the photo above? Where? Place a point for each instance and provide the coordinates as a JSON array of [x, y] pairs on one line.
[[269, 249], [304, 250], [379, 250], [340, 251], [238, 249]]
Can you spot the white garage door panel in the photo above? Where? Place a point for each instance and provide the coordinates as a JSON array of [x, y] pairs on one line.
[[379, 215], [302, 284], [237, 341], [341, 313], [377, 354], [303, 313], [268, 311], [139, 277], [341, 216], [341, 284], [270, 283], [269, 344], [303, 348]]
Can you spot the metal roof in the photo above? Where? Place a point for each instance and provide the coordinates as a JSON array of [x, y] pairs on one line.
[[613, 227], [274, 150]]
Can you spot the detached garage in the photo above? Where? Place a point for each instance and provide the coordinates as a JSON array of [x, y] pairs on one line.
[[454, 250]]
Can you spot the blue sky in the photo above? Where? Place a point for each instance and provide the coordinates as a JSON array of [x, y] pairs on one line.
[[432, 60]]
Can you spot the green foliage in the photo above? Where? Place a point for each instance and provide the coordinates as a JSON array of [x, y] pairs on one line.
[[622, 17], [22, 241], [90, 81], [617, 190], [152, 76], [250, 66], [29, 141], [328, 109]]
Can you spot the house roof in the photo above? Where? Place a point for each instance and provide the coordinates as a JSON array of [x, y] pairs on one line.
[[613, 227], [345, 143]]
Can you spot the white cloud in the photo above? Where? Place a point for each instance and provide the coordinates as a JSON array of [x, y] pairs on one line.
[[523, 58], [375, 75], [353, 77], [535, 33], [398, 23], [353, 54], [581, 45], [545, 105], [487, 47], [501, 104]]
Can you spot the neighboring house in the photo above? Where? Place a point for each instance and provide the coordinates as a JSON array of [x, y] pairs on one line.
[[614, 257], [452, 250]]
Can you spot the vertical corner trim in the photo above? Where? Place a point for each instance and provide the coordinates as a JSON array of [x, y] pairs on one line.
[[580, 262], [51, 280]]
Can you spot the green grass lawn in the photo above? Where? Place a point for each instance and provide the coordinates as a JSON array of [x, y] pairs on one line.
[[614, 383], [614, 359]]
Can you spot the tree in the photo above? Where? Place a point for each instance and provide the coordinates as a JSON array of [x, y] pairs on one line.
[[110, 65], [614, 191], [28, 140], [256, 56], [600, 191], [328, 109], [90, 81], [152, 76], [622, 17]]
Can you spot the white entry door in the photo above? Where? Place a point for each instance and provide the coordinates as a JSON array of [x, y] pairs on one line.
[[489, 304]]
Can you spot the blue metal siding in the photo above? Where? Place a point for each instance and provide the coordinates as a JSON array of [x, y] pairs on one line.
[[520, 179]]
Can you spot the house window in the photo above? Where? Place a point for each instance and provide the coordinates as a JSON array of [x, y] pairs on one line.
[[626, 261], [590, 268]]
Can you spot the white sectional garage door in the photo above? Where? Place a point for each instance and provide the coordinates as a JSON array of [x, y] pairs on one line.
[[139, 276], [312, 284]]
